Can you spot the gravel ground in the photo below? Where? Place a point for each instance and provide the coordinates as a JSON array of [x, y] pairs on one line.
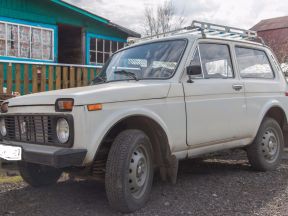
[[212, 186]]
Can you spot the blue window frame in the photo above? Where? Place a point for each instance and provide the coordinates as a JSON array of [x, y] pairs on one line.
[[27, 41], [100, 47]]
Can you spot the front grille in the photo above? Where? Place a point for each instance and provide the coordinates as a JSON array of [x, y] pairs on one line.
[[32, 129], [36, 128]]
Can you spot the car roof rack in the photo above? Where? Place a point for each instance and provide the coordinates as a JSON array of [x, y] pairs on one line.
[[207, 30]]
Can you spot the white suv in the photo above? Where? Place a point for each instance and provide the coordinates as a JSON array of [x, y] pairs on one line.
[[154, 103]]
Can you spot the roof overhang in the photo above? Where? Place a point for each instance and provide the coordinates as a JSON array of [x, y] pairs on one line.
[[95, 17]]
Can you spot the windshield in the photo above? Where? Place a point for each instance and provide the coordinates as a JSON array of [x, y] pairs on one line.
[[150, 61]]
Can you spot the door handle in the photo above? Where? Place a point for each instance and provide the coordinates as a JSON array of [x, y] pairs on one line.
[[237, 87]]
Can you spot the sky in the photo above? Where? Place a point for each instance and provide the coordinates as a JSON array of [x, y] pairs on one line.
[[236, 13]]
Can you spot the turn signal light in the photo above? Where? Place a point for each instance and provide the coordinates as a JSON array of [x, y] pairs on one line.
[[94, 107], [64, 105]]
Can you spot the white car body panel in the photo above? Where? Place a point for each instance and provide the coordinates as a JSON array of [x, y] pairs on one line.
[[105, 93], [218, 117]]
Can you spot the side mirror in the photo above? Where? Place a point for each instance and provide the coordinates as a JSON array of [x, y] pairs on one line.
[[194, 70]]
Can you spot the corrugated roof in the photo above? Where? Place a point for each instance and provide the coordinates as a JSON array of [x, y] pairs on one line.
[[269, 24], [96, 18]]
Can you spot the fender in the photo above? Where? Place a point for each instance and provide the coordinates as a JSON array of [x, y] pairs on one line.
[[115, 118], [269, 104]]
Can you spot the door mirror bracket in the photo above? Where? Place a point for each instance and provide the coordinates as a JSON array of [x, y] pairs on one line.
[[193, 70]]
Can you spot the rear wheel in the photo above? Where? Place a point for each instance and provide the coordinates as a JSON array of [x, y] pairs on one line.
[[265, 152], [129, 171], [38, 175]]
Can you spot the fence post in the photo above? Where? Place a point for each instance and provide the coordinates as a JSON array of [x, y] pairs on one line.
[[58, 77], [18, 78], [9, 79], [79, 77], [72, 77], [43, 78], [85, 77], [65, 78], [34, 79], [50, 78], [26, 79]]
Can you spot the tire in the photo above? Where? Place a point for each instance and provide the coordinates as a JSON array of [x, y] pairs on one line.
[[265, 152], [129, 171], [38, 175]]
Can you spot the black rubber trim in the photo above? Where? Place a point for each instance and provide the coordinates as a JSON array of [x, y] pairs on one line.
[[59, 159]]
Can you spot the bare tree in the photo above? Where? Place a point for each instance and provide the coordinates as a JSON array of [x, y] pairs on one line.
[[162, 19]]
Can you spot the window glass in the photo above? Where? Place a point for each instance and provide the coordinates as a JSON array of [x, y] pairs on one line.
[[216, 60], [24, 41], [2, 47], [47, 37], [12, 40], [106, 57], [157, 60], [36, 43], [253, 63], [100, 45], [102, 50], [100, 57], [196, 62], [2, 31], [114, 46], [47, 52], [2, 39], [93, 44], [92, 57], [107, 46], [47, 44]]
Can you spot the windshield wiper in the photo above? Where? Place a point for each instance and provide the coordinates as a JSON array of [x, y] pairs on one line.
[[127, 73], [98, 80]]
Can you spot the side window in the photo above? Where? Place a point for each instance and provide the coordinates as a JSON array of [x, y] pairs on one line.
[[253, 63], [216, 61]]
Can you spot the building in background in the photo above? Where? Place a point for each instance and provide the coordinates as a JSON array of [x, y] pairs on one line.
[[57, 32], [275, 34]]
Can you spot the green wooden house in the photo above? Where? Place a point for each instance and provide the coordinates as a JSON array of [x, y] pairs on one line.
[[57, 32]]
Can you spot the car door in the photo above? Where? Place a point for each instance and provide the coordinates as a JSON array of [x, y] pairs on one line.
[[262, 84], [215, 102]]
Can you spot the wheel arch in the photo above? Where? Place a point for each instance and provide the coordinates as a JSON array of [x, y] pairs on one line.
[[154, 128], [277, 112]]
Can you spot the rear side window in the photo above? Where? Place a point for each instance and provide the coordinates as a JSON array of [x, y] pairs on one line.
[[253, 63], [216, 60]]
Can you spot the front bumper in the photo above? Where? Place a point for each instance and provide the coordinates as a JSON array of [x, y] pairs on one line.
[[49, 155]]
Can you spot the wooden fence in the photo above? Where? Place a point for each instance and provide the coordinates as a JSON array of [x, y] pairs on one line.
[[26, 77]]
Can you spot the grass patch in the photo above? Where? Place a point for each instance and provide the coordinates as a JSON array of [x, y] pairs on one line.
[[13, 179]]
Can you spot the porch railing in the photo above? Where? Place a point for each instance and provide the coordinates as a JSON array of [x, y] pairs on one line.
[[32, 77]]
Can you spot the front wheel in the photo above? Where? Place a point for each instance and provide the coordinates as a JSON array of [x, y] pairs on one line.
[[265, 152], [129, 171]]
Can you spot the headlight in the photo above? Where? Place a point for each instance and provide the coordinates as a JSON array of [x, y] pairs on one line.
[[3, 127], [62, 130]]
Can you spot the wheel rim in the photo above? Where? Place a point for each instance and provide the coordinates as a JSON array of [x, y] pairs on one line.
[[138, 172], [270, 145]]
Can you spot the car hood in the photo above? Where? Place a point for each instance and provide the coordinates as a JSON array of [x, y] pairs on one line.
[[101, 93]]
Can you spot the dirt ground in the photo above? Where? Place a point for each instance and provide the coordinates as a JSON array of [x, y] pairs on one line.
[[214, 186]]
